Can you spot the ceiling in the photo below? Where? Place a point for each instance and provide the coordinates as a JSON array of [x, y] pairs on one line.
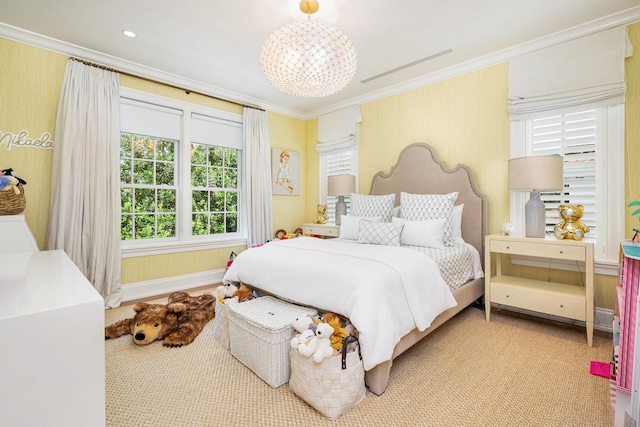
[[213, 46]]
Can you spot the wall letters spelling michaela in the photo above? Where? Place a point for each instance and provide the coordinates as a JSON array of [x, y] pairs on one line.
[[22, 140]]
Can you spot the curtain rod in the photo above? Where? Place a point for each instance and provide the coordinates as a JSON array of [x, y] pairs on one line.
[[187, 91]]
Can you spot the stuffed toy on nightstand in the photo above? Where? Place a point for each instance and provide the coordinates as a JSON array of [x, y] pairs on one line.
[[570, 227]]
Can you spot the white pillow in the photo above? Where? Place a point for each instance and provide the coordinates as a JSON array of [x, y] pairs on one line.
[[380, 233], [350, 225], [367, 206], [429, 233], [421, 207], [395, 213], [456, 220]]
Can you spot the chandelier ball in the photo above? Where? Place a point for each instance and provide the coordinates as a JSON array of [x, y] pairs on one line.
[[308, 59]]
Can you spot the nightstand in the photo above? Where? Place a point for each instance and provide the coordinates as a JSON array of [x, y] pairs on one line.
[[557, 299], [324, 230]]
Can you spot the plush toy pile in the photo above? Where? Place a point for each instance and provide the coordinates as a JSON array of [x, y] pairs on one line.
[[177, 323], [320, 338], [9, 181]]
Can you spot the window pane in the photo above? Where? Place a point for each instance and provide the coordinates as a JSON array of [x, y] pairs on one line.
[[126, 200], [125, 170], [217, 223], [165, 150], [198, 154], [215, 177], [143, 147], [217, 201], [142, 172], [200, 201], [144, 200], [164, 174], [199, 224], [198, 176], [125, 145], [126, 227], [215, 156], [232, 223], [232, 202], [166, 201], [231, 178], [166, 225], [144, 226], [231, 158]]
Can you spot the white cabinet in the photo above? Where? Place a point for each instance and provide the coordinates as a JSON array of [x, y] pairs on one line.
[[16, 235], [558, 299], [52, 366]]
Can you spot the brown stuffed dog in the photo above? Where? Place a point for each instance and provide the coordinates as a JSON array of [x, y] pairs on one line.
[[178, 323]]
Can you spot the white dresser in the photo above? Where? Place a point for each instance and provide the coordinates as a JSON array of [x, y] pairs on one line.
[[52, 365]]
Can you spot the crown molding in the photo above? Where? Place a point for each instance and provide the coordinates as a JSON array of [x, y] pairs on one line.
[[626, 17]]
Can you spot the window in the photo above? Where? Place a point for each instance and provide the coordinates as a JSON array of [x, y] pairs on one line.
[[339, 162], [180, 173], [588, 138]]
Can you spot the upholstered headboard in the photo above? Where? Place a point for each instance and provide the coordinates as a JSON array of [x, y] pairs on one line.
[[420, 171]]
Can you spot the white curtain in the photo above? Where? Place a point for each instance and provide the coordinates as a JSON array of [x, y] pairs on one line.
[[84, 210], [588, 70], [258, 175]]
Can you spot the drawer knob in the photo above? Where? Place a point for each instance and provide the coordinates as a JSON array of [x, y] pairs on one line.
[[561, 306], [508, 247], [561, 252]]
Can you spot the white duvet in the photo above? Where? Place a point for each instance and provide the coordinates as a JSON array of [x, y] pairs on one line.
[[385, 291]]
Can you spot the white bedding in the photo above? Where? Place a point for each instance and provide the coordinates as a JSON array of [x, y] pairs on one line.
[[385, 291]]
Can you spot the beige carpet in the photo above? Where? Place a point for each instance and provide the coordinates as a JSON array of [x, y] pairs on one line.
[[507, 372]]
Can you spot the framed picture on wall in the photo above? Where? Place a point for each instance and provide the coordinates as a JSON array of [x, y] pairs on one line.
[[285, 168]]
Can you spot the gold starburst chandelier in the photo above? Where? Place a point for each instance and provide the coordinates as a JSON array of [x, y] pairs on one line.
[[308, 59]]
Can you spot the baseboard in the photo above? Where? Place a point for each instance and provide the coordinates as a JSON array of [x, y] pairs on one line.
[[151, 288], [602, 319]]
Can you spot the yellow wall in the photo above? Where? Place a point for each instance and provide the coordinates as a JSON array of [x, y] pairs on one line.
[[465, 118]]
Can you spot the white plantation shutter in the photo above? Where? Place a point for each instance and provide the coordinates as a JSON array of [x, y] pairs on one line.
[[574, 137], [337, 163], [338, 149]]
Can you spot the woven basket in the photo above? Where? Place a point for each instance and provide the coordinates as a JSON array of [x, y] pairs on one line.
[[221, 323], [260, 333], [12, 203]]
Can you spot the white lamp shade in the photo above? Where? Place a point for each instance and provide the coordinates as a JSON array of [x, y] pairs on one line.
[[535, 173], [341, 185]]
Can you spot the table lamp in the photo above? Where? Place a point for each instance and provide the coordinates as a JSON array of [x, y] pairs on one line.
[[535, 174], [341, 185]]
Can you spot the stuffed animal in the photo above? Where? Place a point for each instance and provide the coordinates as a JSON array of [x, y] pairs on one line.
[[321, 217], [226, 291], [570, 227], [9, 183], [305, 327], [244, 293], [339, 333], [319, 346], [10, 172], [178, 323]]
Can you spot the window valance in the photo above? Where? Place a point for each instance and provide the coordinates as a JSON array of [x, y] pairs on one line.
[[586, 70], [338, 130]]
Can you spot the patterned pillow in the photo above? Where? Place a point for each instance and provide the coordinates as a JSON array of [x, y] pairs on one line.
[[366, 205], [380, 233], [421, 207]]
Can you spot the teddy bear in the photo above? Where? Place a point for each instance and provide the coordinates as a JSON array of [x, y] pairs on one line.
[[177, 323], [305, 327], [319, 346], [321, 217], [570, 227]]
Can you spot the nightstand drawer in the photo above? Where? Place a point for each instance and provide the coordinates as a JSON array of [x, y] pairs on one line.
[[545, 297], [542, 249], [322, 230]]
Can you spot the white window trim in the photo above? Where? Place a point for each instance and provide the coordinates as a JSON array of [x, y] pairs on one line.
[[186, 242], [610, 195]]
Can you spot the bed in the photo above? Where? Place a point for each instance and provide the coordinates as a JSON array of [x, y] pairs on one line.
[[394, 296]]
